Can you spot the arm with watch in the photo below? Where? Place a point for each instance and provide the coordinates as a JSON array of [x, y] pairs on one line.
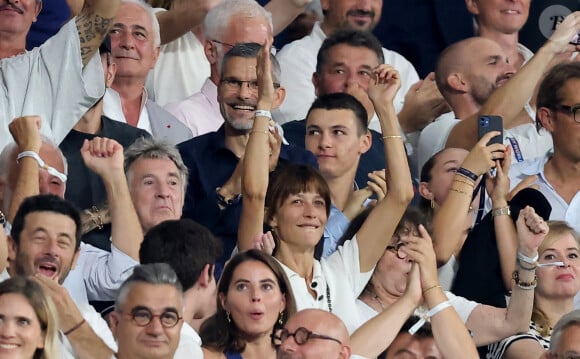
[[505, 231]]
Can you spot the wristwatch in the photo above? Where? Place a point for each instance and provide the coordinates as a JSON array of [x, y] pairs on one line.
[[223, 202], [2, 219]]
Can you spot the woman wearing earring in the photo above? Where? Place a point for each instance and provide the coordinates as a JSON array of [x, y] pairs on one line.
[[254, 300], [296, 202], [448, 181]]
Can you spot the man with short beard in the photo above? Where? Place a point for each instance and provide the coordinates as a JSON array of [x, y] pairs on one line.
[[473, 75], [417, 103], [213, 196]]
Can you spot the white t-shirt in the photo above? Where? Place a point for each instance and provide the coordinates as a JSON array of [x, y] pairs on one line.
[[180, 70], [338, 275], [50, 81]]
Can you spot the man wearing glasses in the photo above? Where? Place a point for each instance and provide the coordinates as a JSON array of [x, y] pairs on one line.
[[313, 333], [148, 313], [213, 195], [557, 174]]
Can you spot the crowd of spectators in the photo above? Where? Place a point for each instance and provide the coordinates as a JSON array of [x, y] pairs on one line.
[[172, 185]]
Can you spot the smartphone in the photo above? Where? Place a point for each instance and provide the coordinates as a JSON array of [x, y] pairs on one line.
[[488, 123]]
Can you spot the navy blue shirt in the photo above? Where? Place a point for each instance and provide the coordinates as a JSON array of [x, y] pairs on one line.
[[372, 160], [210, 165], [53, 15]]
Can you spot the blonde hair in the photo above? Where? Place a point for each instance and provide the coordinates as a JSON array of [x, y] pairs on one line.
[[44, 309], [558, 229]]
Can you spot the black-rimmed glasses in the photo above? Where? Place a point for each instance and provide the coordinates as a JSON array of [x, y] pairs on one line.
[[143, 316], [397, 249], [301, 336], [573, 111]]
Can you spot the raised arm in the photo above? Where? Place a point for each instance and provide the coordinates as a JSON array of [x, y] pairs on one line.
[[505, 230], [374, 336], [185, 15], [262, 149], [284, 12], [508, 100], [105, 157], [376, 232], [182, 17], [93, 24], [444, 318], [83, 338], [26, 134], [490, 324], [448, 231]]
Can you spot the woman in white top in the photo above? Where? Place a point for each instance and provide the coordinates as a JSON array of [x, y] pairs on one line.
[[388, 285], [297, 204]]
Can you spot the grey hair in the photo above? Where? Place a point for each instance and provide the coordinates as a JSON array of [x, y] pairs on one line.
[[152, 15], [568, 320], [153, 273], [148, 148], [9, 154], [250, 50], [218, 19]]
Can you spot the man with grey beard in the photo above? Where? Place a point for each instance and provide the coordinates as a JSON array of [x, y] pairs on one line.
[[213, 196]]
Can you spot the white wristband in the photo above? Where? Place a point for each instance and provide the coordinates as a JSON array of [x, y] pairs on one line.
[[52, 171], [263, 113], [439, 307], [436, 309], [527, 259]]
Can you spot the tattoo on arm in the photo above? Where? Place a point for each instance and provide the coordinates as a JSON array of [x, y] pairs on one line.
[[92, 29]]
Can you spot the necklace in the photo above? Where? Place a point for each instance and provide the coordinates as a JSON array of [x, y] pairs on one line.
[[328, 298], [375, 297]]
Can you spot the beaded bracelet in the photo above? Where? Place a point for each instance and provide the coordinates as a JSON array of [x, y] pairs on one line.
[[524, 285]]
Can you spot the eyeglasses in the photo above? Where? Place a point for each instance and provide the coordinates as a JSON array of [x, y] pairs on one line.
[[143, 316], [397, 250], [273, 50], [573, 110], [301, 336], [233, 84]]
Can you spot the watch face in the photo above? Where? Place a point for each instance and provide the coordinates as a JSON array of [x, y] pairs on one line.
[[2, 218]]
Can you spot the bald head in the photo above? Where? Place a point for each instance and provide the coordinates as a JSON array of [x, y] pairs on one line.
[[454, 59], [334, 345], [468, 71], [48, 183]]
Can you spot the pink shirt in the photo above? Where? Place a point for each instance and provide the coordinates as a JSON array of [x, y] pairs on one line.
[[200, 111]]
